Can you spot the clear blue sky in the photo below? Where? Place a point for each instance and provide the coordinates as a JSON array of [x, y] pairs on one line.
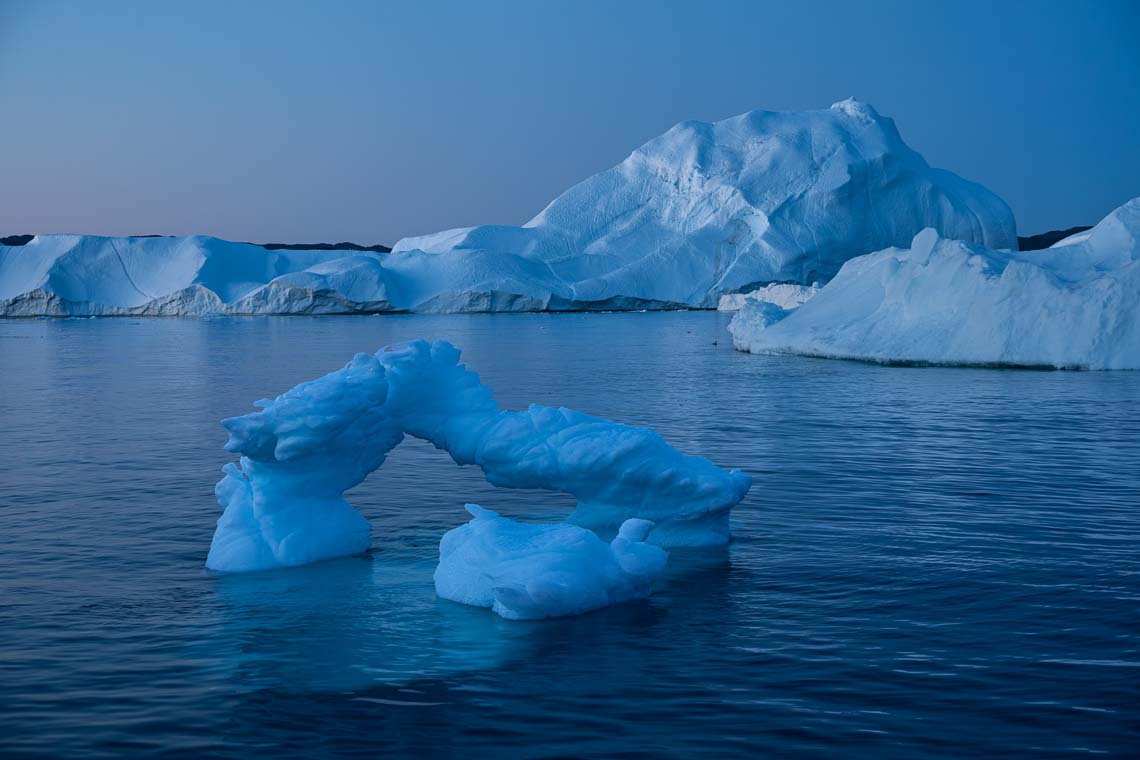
[[368, 121]]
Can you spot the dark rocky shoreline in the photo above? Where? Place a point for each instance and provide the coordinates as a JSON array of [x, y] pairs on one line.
[[16, 240]]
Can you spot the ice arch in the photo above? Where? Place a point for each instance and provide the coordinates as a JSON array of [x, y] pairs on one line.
[[284, 505]]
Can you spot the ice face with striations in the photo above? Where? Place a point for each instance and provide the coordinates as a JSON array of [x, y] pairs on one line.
[[284, 504], [700, 211], [528, 572], [707, 209], [61, 275], [1075, 305]]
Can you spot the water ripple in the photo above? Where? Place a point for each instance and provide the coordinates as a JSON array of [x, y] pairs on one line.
[[933, 562]]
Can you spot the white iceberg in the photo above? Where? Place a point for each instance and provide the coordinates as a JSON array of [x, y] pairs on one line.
[[71, 275], [529, 572], [284, 503], [786, 295], [701, 211], [1073, 306]]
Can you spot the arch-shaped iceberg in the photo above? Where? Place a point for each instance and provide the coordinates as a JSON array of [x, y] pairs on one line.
[[284, 505]]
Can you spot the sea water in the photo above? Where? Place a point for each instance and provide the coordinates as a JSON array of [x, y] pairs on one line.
[[932, 562]]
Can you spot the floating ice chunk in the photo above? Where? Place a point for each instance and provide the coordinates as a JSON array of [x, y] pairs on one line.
[[284, 505], [1075, 305], [528, 572], [786, 295], [755, 317]]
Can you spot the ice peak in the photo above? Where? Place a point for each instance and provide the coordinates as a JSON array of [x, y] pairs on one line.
[[856, 108], [923, 244]]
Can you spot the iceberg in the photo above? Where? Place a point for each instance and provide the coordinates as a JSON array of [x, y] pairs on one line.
[[708, 209], [1075, 305], [85, 275], [283, 502], [704, 210], [786, 295], [529, 572]]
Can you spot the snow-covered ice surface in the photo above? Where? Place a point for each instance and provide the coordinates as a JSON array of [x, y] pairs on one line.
[[700, 211], [1074, 306], [528, 572], [61, 275], [284, 504], [786, 295]]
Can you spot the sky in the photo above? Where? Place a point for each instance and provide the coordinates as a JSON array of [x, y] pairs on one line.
[[371, 121]]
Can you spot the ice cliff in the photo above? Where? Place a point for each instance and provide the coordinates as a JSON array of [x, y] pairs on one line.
[[703, 210], [527, 572], [284, 505], [1075, 305]]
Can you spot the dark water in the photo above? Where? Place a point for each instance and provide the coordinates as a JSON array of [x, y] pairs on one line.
[[932, 562]]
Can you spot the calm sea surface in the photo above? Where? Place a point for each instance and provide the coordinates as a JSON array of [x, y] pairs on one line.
[[931, 563]]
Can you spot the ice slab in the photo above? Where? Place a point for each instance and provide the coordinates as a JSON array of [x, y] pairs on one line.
[[1073, 306], [529, 572]]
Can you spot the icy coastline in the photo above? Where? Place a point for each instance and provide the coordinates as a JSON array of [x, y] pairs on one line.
[[702, 211]]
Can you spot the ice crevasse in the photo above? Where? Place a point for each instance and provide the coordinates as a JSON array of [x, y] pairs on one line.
[[283, 502], [1075, 305]]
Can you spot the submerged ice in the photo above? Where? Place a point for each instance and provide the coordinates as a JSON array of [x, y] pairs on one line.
[[703, 210], [527, 572], [284, 505], [1075, 305]]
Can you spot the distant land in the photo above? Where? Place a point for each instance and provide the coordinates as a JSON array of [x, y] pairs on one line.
[[323, 247], [13, 240], [1046, 239], [1030, 243]]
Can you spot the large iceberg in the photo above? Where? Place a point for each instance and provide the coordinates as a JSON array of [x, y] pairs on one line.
[[284, 502], [1074, 306], [703, 210], [528, 572]]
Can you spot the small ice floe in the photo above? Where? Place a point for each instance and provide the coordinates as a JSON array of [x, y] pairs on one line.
[[529, 572]]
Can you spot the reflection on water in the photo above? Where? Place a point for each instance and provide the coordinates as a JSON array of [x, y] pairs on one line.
[[360, 616], [932, 562]]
